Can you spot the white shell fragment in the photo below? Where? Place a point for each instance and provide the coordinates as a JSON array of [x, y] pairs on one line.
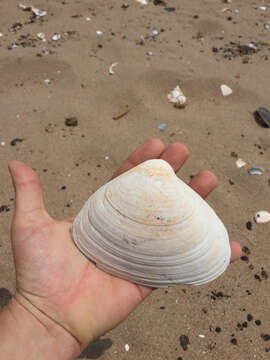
[[147, 226], [225, 90], [240, 163], [262, 217], [111, 72], [177, 98], [142, 2]]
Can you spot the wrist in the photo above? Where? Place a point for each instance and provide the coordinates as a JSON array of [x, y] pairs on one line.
[[29, 334]]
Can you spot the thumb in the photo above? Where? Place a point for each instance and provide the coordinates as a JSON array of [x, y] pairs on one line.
[[28, 191]]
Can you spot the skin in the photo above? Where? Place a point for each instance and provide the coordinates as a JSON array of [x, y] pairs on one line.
[[59, 293]]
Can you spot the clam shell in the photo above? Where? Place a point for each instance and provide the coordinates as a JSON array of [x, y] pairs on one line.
[[149, 227]]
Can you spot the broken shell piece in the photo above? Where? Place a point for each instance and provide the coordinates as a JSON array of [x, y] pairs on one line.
[[149, 227], [256, 170], [262, 117], [240, 163], [56, 37], [111, 72], [225, 90], [177, 98], [262, 217], [142, 2]]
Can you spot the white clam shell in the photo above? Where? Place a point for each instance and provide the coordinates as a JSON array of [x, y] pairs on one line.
[[149, 227]]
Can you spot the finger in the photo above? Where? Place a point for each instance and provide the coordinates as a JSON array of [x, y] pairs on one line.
[[203, 183], [151, 149], [175, 154], [28, 191], [236, 250]]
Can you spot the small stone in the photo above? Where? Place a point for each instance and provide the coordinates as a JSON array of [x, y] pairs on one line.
[[249, 317], [4, 208], [249, 225], [265, 337], [234, 341], [162, 127], [71, 121], [258, 322], [184, 342], [218, 329], [126, 347], [244, 258]]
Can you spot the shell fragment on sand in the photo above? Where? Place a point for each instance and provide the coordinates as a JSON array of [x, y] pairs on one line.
[[149, 227], [256, 170], [240, 163], [111, 72], [142, 2], [225, 90], [177, 98], [262, 217]]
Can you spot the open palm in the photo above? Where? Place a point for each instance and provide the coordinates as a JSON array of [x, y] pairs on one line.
[[53, 276]]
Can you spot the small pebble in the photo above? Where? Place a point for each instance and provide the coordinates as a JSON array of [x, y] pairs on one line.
[[126, 347], [258, 322], [249, 317], [234, 341], [249, 225], [184, 342]]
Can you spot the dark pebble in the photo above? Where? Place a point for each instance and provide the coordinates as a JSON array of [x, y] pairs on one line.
[[234, 341], [63, 187], [251, 267], [15, 141], [249, 225], [245, 324], [184, 342], [258, 322], [162, 307], [214, 49], [266, 337], [264, 274], [4, 208], [246, 250], [71, 121], [257, 277], [218, 329], [231, 182], [244, 258], [229, 18], [249, 317], [180, 358]]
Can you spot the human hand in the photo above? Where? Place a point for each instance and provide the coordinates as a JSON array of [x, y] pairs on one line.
[[54, 279]]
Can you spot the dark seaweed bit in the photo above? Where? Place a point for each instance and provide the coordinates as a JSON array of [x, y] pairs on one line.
[[257, 277], [15, 141], [184, 342]]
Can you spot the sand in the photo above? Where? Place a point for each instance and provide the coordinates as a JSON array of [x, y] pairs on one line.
[[193, 49]]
